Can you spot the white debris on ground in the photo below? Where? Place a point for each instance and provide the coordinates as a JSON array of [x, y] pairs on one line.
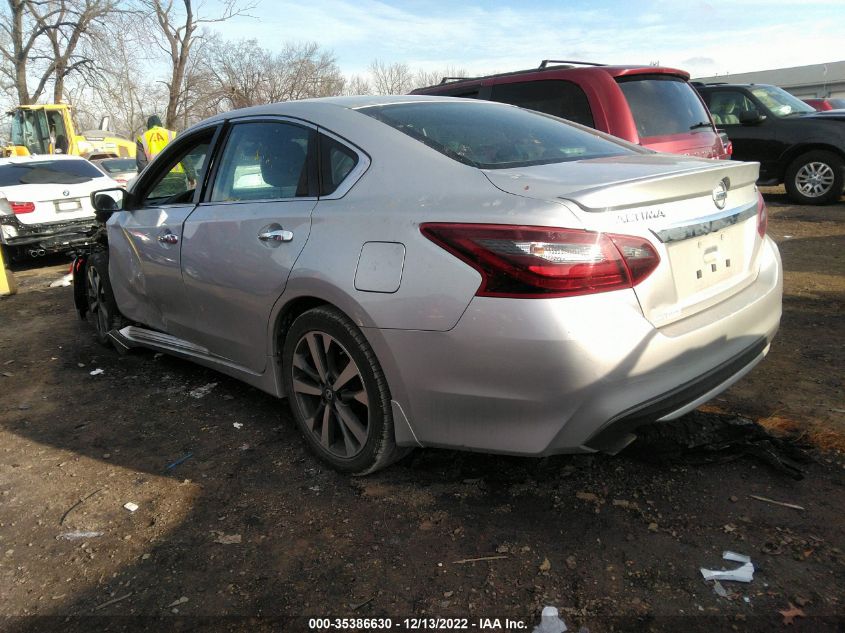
[[67, 280], [78, 534], [550, 622], [237, 425], [97, 372], [202, 392], [131, 506], [743, 573]]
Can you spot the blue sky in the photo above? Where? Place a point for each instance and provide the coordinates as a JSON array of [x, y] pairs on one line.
[[705, 38]]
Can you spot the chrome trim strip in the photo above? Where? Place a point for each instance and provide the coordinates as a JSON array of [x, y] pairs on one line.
[[706, 224]]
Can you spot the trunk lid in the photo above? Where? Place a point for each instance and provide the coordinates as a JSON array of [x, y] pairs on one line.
[[708, 251], [56, 202]]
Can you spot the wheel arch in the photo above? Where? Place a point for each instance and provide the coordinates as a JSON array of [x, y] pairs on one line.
[[797, 150]]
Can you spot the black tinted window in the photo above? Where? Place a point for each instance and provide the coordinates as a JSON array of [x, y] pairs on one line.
[[336, 161], [117, 165], [663, 105], [492, 136], [552, 96], [56, 172]]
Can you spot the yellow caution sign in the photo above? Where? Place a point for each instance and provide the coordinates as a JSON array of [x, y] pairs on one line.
[[7, 279]]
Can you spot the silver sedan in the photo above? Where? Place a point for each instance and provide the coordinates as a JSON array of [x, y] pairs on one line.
[[413, 271]]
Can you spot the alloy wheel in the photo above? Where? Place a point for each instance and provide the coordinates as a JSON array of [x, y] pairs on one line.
[[814, 179], [330, 392], [97, 301]]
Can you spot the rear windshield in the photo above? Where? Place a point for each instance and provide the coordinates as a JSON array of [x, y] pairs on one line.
[[117, 165], [664, 105], [491, 136], [48, 172]]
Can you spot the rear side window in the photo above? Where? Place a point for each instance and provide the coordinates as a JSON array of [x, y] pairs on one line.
[[52, 172], [663, 105], [551, 96], [492, 136], [336, 162]]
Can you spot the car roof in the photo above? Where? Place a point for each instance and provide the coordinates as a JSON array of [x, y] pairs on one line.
[[16, 160], [725, 85], [590, 69], [311, 107]]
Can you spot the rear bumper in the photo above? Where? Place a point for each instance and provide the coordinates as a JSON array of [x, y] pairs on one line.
[[537, 377], [49, 236]]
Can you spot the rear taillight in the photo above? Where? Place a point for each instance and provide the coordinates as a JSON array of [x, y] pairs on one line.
[[532, 261], [762, 216], [19, 208]]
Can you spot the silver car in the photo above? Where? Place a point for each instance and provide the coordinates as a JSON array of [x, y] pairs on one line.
[[417, 271]]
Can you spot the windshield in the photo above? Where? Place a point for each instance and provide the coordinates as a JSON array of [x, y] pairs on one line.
[[29, 129], [779, 101], [53, 172], [491, 136], [664, 105]]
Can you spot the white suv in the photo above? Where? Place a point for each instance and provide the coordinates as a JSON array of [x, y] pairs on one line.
[[45, 204]]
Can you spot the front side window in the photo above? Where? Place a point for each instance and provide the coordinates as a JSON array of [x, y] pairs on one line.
[[45, 172], [263, 160], [726, 106], [663, 105], [492, 136], [550, 96], [178, 181]]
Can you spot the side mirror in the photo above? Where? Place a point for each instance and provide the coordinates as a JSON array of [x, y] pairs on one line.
[[107, 201], [751, 117]]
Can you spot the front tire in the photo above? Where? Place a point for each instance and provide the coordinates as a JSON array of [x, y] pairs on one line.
[[815, 178], [338, 393], [102, 306]]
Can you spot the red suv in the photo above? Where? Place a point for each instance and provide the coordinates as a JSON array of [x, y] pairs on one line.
[[649, 105]]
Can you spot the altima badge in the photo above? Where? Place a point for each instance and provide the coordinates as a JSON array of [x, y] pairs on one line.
[[720, 193]]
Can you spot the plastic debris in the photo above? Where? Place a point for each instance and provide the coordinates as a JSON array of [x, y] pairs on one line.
[[77, 535], [202, 392], [227, 539], [178, 601], [97, 372], [131, 506], [550, 622], [67, 280], [181, 460], [744, 573], [237, 425], [719, 589]]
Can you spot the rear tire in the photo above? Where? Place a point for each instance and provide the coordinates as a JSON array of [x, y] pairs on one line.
[[816, 177], [338, 393], [102, 306]]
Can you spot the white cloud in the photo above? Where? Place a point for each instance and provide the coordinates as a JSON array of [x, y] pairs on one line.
[[701, 37]]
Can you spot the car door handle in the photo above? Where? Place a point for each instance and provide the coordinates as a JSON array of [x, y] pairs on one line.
[[279, 235], [168, 238]]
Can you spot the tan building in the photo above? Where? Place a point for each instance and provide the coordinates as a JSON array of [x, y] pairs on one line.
[[807, 82]]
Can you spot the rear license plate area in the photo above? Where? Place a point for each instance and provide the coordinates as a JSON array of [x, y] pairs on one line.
[[702, 262], [68, 205]]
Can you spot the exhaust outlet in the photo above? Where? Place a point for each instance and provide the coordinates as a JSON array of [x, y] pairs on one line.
[[41, 252]]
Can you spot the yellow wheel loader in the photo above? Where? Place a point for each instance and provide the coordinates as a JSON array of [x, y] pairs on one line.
[[49, 129]]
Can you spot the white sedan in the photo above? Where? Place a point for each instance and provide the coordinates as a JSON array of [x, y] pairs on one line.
[[45, 204]]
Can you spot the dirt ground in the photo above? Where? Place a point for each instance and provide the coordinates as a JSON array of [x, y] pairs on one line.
[[250, 532]]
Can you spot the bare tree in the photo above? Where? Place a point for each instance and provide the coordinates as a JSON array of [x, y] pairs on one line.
[[242, 73], [41, 39], [179, 28], [390, 79], [357, 85], [423, 78]]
